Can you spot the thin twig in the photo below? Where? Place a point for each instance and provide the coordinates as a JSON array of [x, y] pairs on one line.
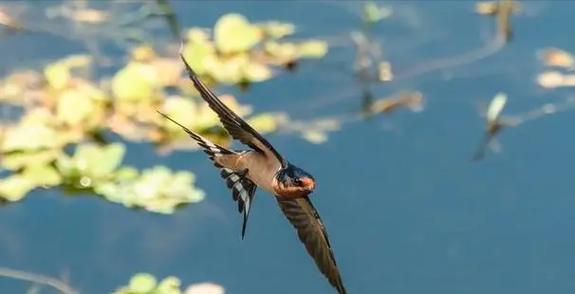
[[37, 279]]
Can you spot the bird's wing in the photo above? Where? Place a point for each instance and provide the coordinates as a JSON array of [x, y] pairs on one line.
[[243, 189], [236, 126], [311, 231]]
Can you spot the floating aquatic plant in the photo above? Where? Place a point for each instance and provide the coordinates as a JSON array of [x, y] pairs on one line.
[[70, 114], [144, 283], [243, 52]]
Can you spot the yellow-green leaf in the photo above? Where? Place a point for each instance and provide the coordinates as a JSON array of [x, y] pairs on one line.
[[234, 33], [74, 106], [42, 175], [135, 82], [57, 75], [15, 187], [142, 283], [263, 123], [19, 160], [29, 135], [312, 49], [277, 30]]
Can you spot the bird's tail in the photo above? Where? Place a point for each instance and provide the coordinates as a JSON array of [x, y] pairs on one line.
[[212, 149]]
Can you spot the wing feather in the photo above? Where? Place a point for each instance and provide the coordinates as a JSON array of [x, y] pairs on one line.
[[235, 125], [311, 232]]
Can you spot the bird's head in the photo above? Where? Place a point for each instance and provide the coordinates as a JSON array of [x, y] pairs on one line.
[[292, 181]]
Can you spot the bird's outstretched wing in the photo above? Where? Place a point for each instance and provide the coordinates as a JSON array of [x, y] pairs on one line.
[[243, 189], [235, 125], [303, 216]]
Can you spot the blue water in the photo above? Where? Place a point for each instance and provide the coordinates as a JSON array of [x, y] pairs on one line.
[[406, 209]]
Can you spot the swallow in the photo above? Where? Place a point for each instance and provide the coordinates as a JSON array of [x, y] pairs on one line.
[[264, 167]]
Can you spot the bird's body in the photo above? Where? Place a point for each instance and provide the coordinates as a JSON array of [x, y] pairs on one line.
[[260, 170], [263, 167]]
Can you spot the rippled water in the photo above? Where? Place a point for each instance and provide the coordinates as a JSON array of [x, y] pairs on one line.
[[406, 209]]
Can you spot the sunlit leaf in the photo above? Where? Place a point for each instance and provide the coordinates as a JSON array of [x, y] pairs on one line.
[[197, 35], [29, 135], [142, 283], [74, 106], [496, 106], [42, 175], [316, 137], [277, 30], [98, 161], [234, 33], [263, 123], [226, 71], [135, 82], [143, 53], [256, 72], [283, 52], [373, 13], [169, 285], [157, 190], [57, 75], [17, 160], [15, 187], [195, 52], [312, 49]]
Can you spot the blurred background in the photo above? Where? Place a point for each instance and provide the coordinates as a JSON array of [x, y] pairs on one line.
[[426, 182]]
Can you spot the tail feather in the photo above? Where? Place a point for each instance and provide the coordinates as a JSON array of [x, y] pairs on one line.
[[243, 189]]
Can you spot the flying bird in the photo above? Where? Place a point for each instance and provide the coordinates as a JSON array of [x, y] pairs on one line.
[[263, 166]]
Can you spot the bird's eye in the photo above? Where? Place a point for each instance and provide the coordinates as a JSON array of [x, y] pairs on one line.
[[297, 181]]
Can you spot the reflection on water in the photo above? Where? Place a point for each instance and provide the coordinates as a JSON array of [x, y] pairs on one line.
[[407, 210]]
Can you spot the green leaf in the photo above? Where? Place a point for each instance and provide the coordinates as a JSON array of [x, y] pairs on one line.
[[226, 71], [135, 82], [263, 123], [57, 75], [157, 190], [142, 283], [19, 160], [169, 285], [96, 161], [277, 30], [15, 187], [233, 33], [372, 13], [256, 72], [29, 135], [195, 52], [312, 49], [42, 175], [74, 107]]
